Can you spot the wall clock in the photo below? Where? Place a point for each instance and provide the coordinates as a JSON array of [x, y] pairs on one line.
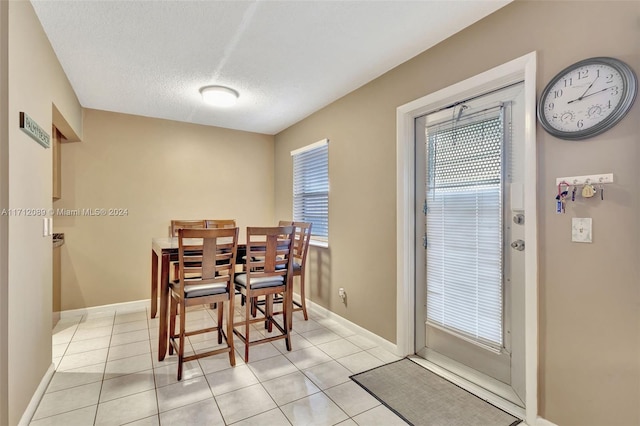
[[587, 98]]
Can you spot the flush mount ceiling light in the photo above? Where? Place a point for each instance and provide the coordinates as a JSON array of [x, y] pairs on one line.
[[219, 95]]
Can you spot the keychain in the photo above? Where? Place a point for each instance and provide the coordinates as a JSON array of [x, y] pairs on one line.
[[588, 190], [561, 197]]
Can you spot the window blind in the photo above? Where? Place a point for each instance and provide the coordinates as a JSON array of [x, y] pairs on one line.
[[311, 188], [464, 227]]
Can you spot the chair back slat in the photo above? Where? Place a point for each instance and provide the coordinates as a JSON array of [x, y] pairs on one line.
[[220, 223], [176, 225]]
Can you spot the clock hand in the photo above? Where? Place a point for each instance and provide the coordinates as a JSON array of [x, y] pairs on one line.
[[585, 92], [590, 94], [595, 93], [590, 86]]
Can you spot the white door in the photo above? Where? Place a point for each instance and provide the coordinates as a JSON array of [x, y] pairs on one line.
[[470, 250]]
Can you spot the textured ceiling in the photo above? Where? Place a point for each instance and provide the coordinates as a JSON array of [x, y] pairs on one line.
[[286, 58]]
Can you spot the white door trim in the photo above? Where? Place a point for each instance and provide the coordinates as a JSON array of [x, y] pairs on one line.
[[515, 70]]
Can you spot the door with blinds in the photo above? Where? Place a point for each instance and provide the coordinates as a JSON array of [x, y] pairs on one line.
[[470, 209]]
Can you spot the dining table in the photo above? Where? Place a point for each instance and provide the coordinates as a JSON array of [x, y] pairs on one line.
[[164, 250]]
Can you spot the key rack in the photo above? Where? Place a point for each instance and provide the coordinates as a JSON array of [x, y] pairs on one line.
[[590, 179]]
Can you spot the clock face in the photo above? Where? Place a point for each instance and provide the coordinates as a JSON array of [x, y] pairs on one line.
[[587, 98]]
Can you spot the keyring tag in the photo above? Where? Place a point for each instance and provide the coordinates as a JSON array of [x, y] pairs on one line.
[[588, 190]]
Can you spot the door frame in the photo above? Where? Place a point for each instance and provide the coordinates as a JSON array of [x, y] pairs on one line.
[[522, 68]]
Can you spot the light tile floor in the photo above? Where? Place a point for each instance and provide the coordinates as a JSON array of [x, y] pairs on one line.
[[107, 373]]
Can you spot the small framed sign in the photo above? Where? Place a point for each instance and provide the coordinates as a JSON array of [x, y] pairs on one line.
[[31, 128]]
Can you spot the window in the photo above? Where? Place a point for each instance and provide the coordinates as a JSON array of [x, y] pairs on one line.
[[464, 226], [311, 188]]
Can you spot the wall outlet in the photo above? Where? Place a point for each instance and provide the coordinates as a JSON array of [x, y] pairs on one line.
[[581, 229], [341, 293]]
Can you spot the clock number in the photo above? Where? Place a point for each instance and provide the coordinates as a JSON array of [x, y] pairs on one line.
[[568, 82], [609, 104], [557, 93], [580, 124], [614, 90], [551, 106], [583, 74], [610, 78]]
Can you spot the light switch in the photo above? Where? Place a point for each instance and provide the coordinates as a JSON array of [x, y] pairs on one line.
[[45, 227], [581, 230]]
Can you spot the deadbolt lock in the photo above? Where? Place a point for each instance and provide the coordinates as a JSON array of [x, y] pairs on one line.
[[518, 245]]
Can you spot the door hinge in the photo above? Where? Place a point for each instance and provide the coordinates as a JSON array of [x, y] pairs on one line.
[[424, 207], [424, 240]]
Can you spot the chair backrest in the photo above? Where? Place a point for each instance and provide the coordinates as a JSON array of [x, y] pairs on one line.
[[207, 256], [301, 243], [269, 250], [176, 225], [220, 223]]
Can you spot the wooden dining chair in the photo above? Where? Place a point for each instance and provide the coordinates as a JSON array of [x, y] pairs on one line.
[[267, 272], [207, 259], [300, 250]]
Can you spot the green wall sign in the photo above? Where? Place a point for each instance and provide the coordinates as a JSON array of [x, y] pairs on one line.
[[36, 132]]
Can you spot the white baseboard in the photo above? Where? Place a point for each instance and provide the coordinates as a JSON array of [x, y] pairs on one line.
[[325, 313], [544, 422], [115, 307], [37, 396]]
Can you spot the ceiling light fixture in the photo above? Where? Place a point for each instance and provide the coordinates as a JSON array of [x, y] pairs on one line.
[[219, 95]]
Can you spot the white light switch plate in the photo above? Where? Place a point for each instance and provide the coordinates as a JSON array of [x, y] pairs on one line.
[[581, 230]]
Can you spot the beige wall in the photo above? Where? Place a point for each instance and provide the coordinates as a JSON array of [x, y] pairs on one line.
[[158, 170], [4, 204], [36, 83], [589, 293]]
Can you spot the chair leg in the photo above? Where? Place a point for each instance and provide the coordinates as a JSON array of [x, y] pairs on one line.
[[182, 338], [232, 351], [172, 323], [247, 308], [268, 312], [287, 304], [303, 299], [220, 307], [254, 306]]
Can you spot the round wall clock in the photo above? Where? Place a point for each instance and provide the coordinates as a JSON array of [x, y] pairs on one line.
[[587, 98]]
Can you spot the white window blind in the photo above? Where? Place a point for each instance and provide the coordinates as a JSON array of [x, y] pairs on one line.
[[311, 187], [464, 226]]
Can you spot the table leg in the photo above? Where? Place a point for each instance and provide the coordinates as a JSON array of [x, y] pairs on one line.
[[164, 301], [154, 283]]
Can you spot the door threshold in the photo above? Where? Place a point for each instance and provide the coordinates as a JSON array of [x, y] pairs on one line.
[[494, 392]]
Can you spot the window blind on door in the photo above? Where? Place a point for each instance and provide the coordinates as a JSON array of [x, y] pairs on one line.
[[311, 188], [464, 226]]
